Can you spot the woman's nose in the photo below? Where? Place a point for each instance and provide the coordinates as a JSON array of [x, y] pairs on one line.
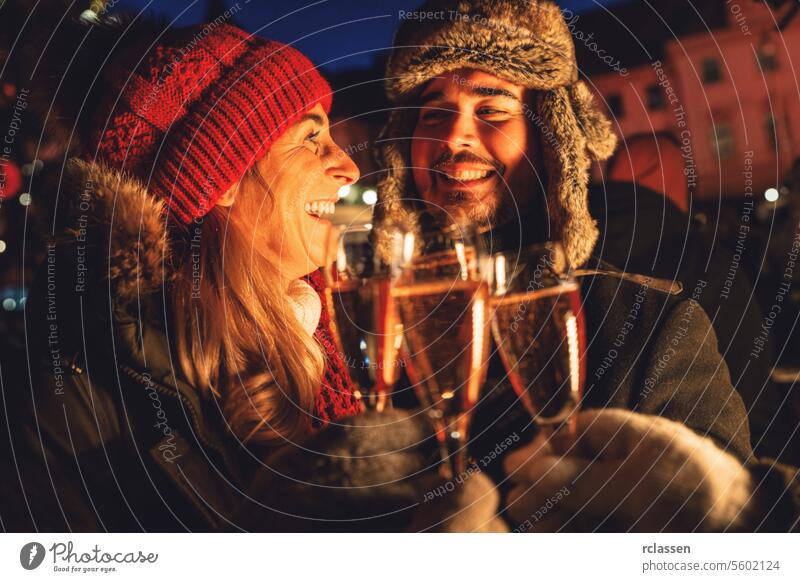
[[344, 170]]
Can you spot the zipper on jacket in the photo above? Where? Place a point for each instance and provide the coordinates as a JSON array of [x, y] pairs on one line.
[[195, 417]]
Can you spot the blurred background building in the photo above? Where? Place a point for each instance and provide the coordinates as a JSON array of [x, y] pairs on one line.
[[727, 70]]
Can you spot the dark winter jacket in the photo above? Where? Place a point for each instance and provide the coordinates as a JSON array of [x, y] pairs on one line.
[[653, 352], [644, 232], [105, 432], [648, 350]]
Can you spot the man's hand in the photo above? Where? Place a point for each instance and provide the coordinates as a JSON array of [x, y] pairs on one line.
[[628, 472]]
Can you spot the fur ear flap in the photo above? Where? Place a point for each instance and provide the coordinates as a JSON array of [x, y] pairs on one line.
[[601, 140], [396, 207], [567, 164]]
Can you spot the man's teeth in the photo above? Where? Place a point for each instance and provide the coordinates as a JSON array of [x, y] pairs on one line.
[[320, 207], [468, 176]]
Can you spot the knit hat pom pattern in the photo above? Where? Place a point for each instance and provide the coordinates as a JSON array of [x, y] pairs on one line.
[[526, 42], [189, 115]]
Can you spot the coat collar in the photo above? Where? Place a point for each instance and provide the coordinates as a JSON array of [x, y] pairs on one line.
[[117, 212], [128, 264]]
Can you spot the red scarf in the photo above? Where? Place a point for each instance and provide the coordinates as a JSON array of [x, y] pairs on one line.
[[335, 399]]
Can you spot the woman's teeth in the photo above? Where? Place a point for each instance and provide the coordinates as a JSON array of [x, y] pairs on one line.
[[320, 208], [469, 176]]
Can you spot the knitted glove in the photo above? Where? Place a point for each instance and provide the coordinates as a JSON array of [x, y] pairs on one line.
[[627, 471], [370, 472]]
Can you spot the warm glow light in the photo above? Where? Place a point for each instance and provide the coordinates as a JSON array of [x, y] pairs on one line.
[[344, 191], [771, 195], [478, 343], [2, 246], [574, 355], [408, 247], [25, 199], [369, 197], [461, 254], [500, 274]]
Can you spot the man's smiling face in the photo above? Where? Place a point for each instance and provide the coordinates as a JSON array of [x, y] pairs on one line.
[[474, 149]]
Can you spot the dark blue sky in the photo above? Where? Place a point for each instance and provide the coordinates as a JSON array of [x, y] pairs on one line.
[[336, 34]]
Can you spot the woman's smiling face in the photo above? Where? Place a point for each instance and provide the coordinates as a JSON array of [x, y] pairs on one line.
[[303, 170]]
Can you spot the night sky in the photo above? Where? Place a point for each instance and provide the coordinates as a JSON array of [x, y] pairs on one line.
[[336, 34]]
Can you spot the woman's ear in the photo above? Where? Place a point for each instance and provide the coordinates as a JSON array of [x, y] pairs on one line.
[[229, 196]]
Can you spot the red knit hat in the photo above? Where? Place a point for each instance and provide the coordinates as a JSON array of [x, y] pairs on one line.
[[193, 112]]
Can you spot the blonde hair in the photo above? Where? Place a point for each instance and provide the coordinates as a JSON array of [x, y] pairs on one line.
[[241, 341]]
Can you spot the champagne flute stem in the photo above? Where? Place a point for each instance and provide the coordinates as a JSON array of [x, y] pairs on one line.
[[456, 443], [445, 467], [563, 434]]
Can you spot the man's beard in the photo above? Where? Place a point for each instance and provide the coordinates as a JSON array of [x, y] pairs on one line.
[[480, 212], [461, 203], [493, 210]]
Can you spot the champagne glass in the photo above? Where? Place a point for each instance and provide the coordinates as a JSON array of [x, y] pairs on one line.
[[364, 323], [538, 328], [442, 300]]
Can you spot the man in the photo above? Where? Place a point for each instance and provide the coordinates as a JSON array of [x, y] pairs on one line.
[[490, 120]]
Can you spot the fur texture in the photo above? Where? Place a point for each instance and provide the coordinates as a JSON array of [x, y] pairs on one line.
[[131, 224], [526, 42]]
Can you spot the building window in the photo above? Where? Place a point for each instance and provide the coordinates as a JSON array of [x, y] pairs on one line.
[[711, 71], [767, 58], [615, 105], [722, 138], [655, 97]]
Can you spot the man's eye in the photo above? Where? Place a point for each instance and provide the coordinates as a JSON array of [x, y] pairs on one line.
[[491, 112], [432, 115]]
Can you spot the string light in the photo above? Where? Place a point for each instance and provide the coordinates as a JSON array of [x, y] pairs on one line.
[[369, 197]]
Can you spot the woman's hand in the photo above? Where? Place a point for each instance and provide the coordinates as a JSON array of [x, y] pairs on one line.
[[371, 472], [627, 471]]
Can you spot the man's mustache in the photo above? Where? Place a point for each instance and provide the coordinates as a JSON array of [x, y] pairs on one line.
[[465, 157]]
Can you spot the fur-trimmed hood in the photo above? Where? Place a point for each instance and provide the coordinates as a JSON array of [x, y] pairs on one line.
[[526, 42], [115, 211]]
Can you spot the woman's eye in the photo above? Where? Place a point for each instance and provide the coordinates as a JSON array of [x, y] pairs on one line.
[[311, 138]]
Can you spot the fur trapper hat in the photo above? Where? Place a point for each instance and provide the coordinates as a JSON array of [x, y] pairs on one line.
[[523, 41]]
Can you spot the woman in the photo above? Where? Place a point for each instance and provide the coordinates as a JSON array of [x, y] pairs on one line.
[[173, 340]]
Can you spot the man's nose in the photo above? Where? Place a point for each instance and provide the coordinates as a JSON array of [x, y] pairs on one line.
[[462, 132]]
